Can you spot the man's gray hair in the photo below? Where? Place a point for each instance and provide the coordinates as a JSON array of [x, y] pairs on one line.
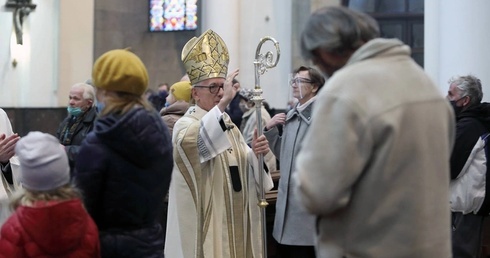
[[88, 91], [470, 86], [337, 29]]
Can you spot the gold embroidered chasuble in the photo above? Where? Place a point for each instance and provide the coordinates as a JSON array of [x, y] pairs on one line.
[[213, 211]]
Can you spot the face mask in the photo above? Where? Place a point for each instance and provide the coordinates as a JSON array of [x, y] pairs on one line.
[[100, 106], [243, 107], [74, 111], [457, 109]]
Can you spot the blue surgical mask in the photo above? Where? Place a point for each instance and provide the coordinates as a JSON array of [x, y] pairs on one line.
[[74, 111], [100, 106]]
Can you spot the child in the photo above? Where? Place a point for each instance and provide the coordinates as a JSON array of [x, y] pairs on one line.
[[49, 219]]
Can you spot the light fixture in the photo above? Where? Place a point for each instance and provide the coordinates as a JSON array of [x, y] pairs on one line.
[[22, 9], [17, 51]]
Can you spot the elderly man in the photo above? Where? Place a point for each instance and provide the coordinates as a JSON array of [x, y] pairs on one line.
[[374, 166], [80, 120], [472, 121], [213, 210]]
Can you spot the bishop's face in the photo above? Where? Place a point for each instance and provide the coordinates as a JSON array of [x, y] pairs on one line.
[[208, 93]]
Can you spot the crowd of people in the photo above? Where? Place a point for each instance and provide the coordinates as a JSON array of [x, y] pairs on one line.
[[367, 152]]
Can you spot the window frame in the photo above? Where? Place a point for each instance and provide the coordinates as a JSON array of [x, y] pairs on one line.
[[407, 20]]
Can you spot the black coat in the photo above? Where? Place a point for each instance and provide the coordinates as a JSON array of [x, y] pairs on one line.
[[76, 139], [470, 125], [123, 169], [234, 111]]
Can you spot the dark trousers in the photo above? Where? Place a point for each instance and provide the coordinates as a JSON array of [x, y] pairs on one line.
[[295, 251], [162, 218], [466, 235]]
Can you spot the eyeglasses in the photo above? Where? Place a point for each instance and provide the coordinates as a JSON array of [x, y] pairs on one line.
[[299, 80], [213, 88]]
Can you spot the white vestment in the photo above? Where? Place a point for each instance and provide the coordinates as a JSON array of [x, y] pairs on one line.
[[5, 188], [214, 192]]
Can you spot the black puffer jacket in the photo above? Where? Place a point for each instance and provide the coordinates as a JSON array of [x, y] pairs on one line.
[[470, 125], [123, 169]]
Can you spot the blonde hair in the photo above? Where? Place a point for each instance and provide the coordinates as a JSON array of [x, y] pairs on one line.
[[122, 102], [25, 197]]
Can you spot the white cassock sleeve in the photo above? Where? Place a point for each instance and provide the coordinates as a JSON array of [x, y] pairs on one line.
[[212, 141], [6, 128]]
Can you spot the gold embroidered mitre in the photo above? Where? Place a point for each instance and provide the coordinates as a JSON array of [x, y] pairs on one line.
[[205, 57]]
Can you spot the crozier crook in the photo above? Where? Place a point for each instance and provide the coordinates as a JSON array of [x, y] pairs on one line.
[[262, 63]]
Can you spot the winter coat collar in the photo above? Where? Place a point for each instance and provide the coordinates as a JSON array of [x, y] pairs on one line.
[[90, 116], [305, 115], [178, 108], [248, 112], [480, 112], [379, 46]]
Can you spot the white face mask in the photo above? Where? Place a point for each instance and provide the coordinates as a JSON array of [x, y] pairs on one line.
[[243, 107]]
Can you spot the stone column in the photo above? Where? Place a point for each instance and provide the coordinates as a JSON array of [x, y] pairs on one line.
[[223, 17], [457, 40]]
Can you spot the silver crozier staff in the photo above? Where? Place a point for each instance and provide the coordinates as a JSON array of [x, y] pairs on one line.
[[262, 63]]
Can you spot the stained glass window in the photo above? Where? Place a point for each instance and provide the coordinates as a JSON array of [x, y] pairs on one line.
[[173, 15]]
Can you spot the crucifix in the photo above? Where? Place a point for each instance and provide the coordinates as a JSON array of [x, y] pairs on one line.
[[22, 9]]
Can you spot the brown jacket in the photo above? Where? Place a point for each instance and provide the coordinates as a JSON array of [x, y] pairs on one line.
[[172, 113]]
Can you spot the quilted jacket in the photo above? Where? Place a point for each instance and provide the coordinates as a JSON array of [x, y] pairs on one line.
[[54, 229]]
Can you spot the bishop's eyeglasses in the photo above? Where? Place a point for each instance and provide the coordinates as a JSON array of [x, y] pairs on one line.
[[213, 88]]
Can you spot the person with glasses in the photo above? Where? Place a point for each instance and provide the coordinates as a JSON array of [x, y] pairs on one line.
[[374, 166], [213, 211], [294, 227]]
